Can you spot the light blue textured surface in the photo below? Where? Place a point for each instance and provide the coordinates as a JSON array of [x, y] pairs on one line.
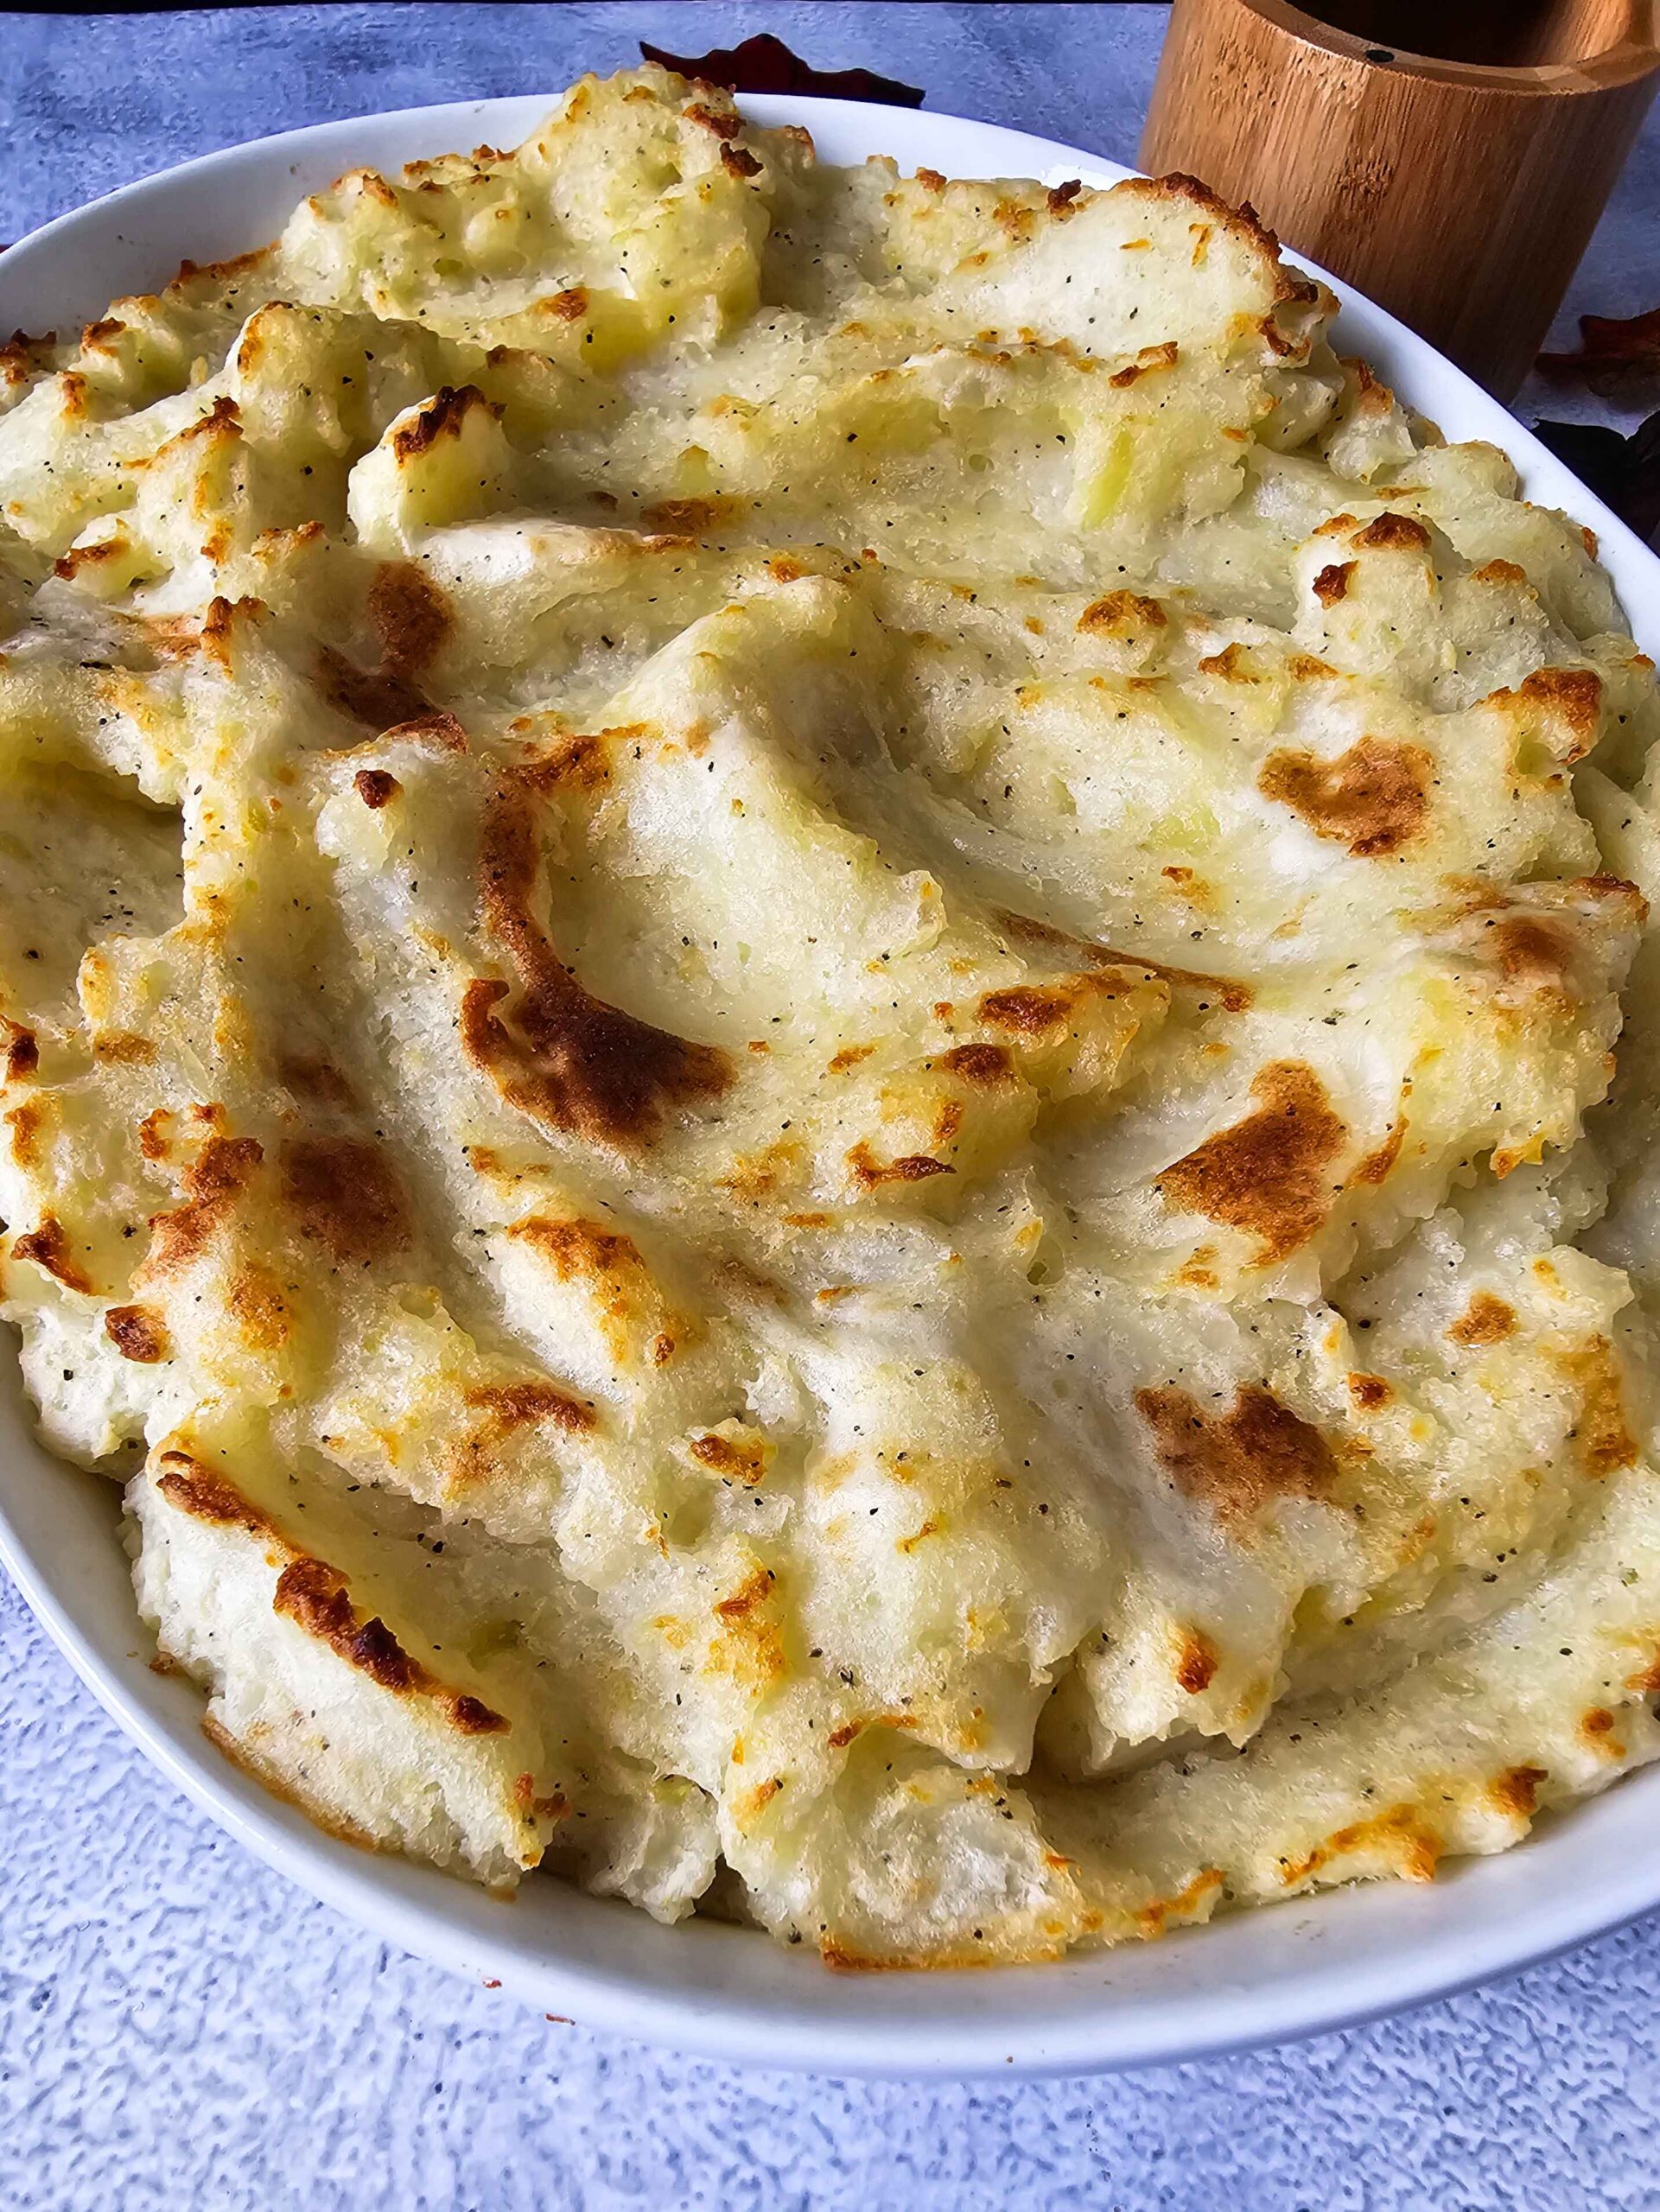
[[180, 2029]]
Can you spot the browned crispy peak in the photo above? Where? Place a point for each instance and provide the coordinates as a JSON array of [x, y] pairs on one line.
[[1377, 1164], [1267, 1174], [207, 1496], [1516, 1790], [1150, 359], [563, 1056], [1393, 533], [578, 1249], [21, 355], [1569, 696], [1243, 220], [1332, 583], [1227, 991], [376, 788], [137, 1332], [737, 161], [755, 1591], [410, 616], [1373, 798], [986, 1065], [1531, 952], [1485, 1320], [1239, 1461], [346, 1196], [239, 264], [1400, 1836], [367, 694], [578, 760], [70, 564], [22, 1054], [524, 1403], [745, 1463], [870, 1173], [181, 636], [441, 417], [1197, 1661], [724, 127], [1118, 613], [221, 1172], [47, 1245], [1602, 1431], [1039, 1009], [314, 1594]]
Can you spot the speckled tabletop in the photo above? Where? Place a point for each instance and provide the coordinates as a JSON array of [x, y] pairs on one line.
[[179, 2028]]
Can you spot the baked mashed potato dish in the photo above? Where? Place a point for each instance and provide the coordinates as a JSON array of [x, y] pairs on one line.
[[830, 1042]]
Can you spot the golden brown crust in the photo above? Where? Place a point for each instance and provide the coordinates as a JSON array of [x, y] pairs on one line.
[[22, 1054], [525, 1403], [1390, 533], [1267, 1174], [1374, 799], [1400, 1836], [206, 1496], [1532, 953], [309, 1076], [1035, 1010], [1516, 1792], [441, 417], [1197, 1661], [1239, 1461], [579, 1248], [138, 1332], [1147, 362], [434, 725], [411, 618], [688, 517], [212, 1185], [737, 161], [870, 1173], [1602, 1432], [742, 1462], [988, 1066], [47, 1245], [568, 1059], [1377, 1166], [365, 694], [1228, 992], [346, 1196], [376, 787], [750, 1644], [723, 125], [314, 1596], [1485, 1320], [1116, 613], [1571, 697]]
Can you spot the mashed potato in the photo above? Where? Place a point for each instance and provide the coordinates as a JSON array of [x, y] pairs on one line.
[[808, 982]]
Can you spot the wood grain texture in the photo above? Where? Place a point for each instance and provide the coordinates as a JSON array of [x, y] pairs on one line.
[[1458, 188]]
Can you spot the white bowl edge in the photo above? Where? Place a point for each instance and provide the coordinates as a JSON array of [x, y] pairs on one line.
[[1299, 1968]]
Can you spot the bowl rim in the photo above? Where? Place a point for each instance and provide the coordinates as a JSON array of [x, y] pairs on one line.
[[1355, 1953]]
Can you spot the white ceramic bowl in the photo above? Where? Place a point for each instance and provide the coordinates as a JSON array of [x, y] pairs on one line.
[[1294, 1969]]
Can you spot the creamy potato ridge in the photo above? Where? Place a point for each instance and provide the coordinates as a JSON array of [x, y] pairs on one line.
[[812, 993]]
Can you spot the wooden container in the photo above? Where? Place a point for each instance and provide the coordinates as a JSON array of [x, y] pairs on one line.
[[1450, 157]]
